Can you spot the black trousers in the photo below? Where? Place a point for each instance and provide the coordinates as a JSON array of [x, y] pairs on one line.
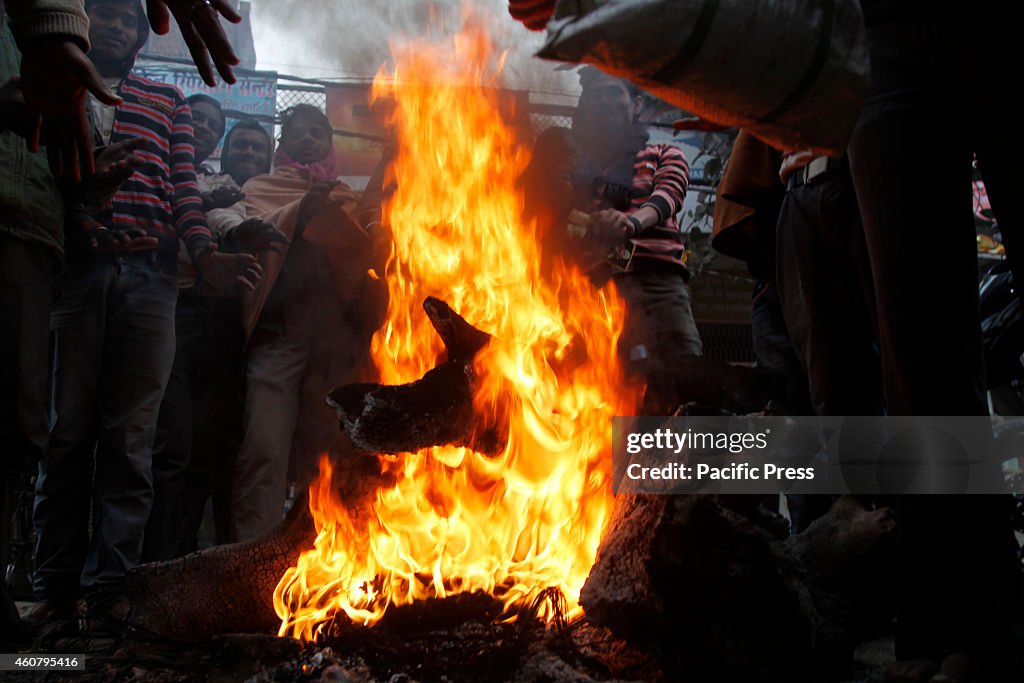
[[824, 282], [199, 428], [26, 296], [959, 578]]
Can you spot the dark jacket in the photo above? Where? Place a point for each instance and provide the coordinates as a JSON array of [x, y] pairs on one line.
[[30, 205]]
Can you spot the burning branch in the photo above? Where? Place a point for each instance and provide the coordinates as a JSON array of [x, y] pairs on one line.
[[436, 410]]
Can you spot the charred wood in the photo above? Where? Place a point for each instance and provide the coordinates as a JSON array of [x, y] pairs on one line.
[[229, 588], [225, 589], [725, 598], [461, 340], [435, 410]]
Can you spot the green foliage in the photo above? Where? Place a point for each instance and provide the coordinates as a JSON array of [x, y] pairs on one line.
[[697, 222]]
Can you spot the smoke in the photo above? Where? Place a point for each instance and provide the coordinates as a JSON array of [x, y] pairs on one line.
[[335, 38]]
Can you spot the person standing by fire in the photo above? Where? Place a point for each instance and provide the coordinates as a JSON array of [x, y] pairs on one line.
[[306, 326], [113, 332], [200, 423], [606, 198]]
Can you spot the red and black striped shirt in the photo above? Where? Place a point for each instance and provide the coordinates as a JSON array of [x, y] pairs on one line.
[[661, 176], [162, 196]]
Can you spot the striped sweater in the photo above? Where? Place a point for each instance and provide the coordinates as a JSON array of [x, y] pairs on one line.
[[660, 178], [162, 196]]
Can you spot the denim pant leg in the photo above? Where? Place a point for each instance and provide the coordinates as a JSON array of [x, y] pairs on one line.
[[659, 316], [218, 401], [172, 449], [276, 365], [63, 488], [138, 355], [26, 296]]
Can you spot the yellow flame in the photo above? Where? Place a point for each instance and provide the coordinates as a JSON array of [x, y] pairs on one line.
[[454, 520]]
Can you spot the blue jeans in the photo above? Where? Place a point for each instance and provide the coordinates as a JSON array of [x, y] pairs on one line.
[[113, 328]]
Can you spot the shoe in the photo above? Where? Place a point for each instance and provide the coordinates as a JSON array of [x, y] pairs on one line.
[[49, 611], [16, 631], [108, 613]]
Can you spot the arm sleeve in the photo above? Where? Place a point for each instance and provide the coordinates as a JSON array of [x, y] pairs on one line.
[[671, 179], [546, 183], [221, 221], [34, 19], [534, 14], [189, 219]]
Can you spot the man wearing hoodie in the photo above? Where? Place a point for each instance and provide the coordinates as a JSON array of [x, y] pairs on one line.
[[113, 328]]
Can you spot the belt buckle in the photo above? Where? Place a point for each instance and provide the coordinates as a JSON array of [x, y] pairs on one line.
[[814, 169]]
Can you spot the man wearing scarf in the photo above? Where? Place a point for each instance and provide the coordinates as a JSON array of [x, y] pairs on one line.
[[309, 321]]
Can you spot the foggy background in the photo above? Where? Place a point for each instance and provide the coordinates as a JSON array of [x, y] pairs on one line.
[[348, 39]]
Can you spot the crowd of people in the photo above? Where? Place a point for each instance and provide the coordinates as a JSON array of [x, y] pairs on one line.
[[168, 332], [868, 303]]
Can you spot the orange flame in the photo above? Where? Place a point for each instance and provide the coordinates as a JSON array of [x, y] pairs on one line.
[[455, 520]]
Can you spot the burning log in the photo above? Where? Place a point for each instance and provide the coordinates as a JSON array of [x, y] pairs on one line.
[[226, 589], [461, 340], [433, 411], [230, 588], [726, 597]]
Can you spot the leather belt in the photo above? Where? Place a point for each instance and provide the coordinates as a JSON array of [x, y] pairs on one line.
[[817, 167]]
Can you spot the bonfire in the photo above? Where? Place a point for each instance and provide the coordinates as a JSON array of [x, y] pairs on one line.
[[452, 519]]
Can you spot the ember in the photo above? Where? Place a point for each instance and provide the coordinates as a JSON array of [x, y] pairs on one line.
[[455, 520]]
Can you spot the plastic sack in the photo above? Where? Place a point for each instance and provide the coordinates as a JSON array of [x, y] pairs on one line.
[[793, 72], [1002, 326]]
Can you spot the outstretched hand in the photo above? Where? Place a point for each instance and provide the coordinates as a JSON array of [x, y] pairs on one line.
[[107, 241], [316, 201], [256, 235], [224, 271], [114, 164], [221, 197], [199, 21], [55, 77]]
